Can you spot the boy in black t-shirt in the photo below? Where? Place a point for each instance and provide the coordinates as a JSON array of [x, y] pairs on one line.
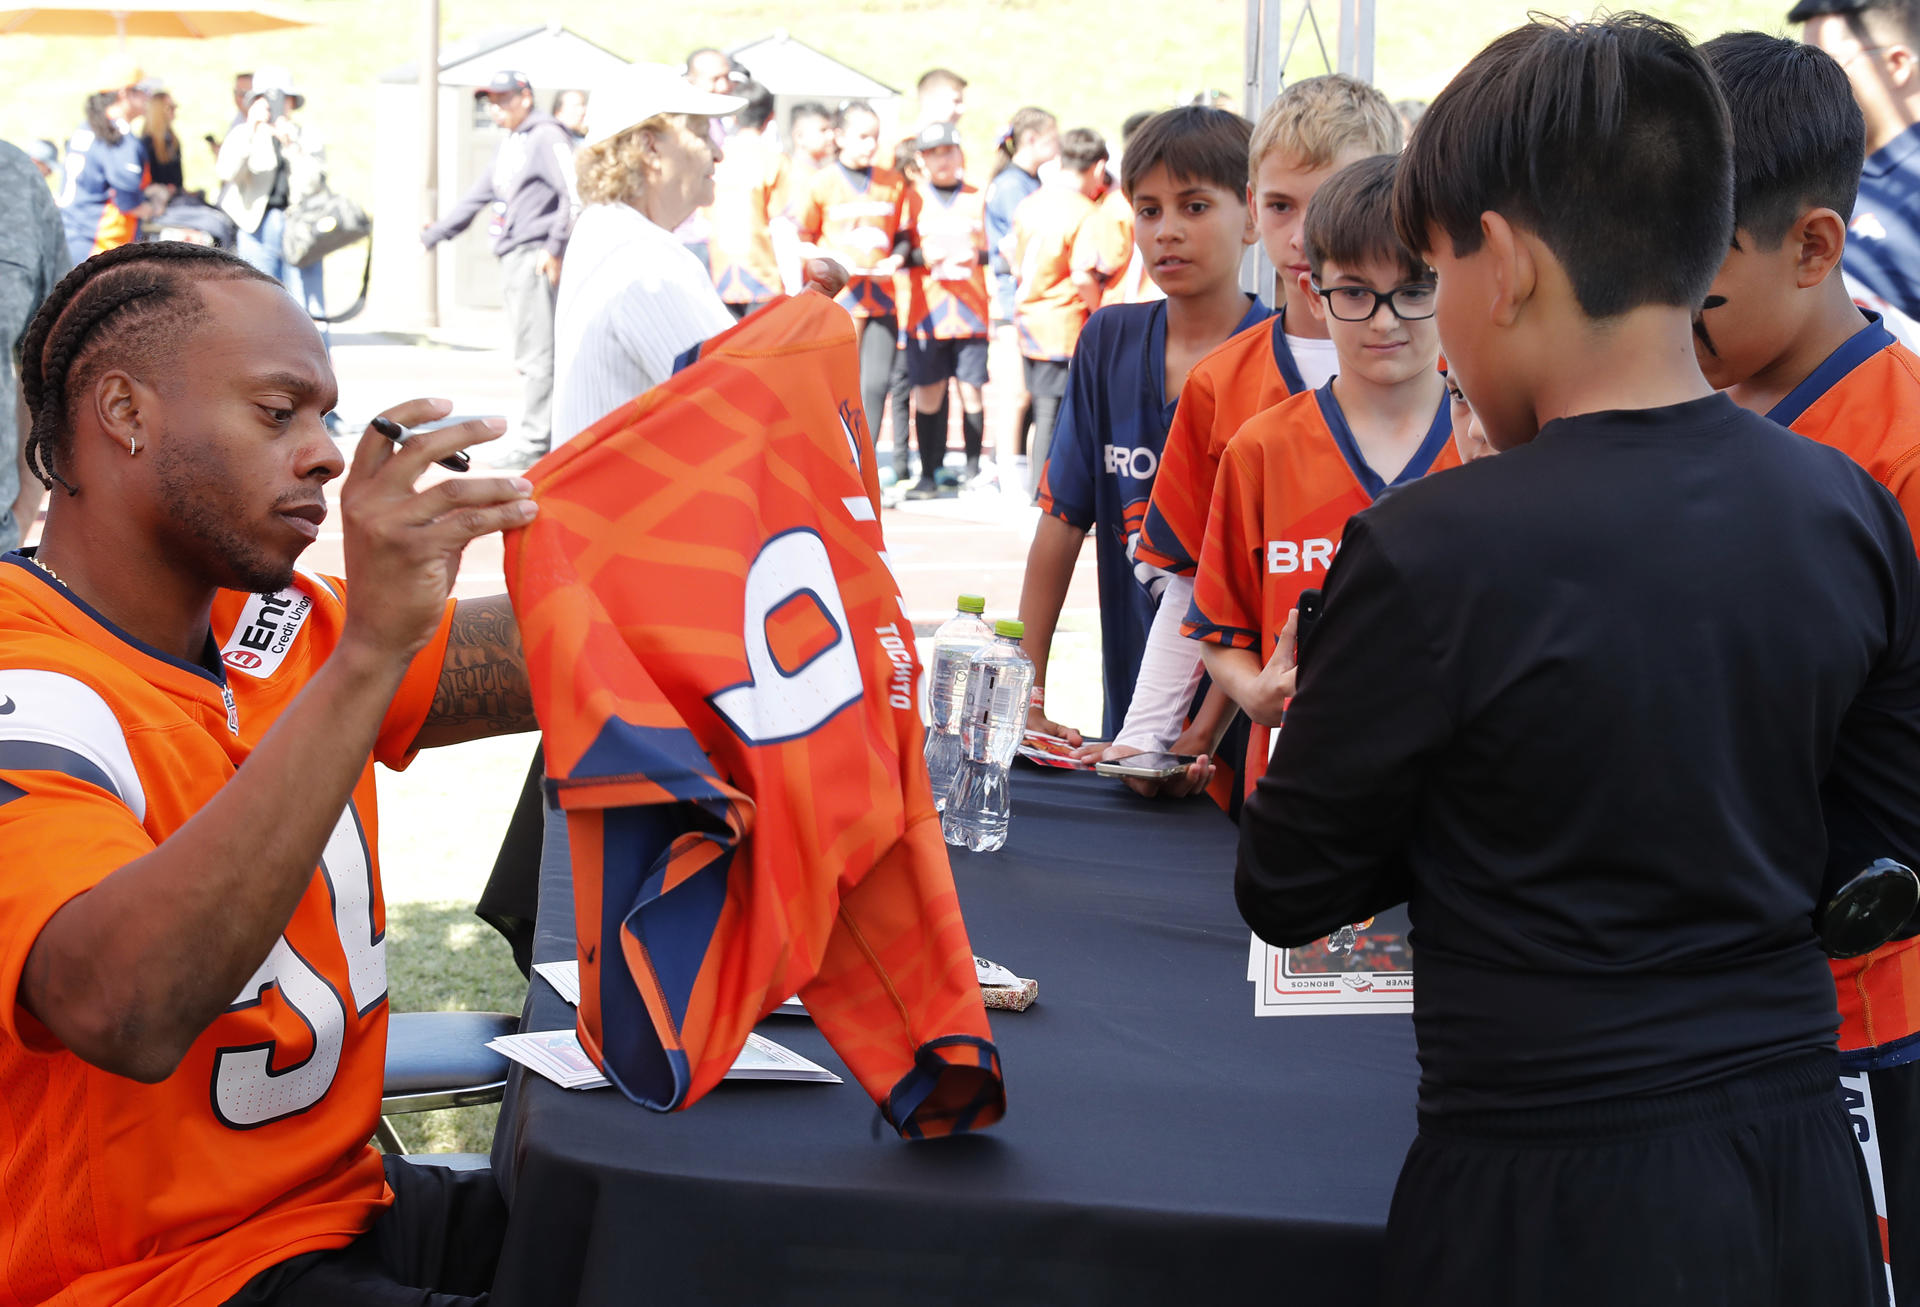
[[1612, 713]]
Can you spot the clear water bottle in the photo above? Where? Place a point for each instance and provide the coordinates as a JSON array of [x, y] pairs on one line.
[[992, 721], [954, 644]]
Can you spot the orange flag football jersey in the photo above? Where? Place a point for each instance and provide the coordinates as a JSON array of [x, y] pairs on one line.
[[1288, 483], [855, 217], [952, 229], [1048, 308], [750, 189], [1249, 372], [255, 1149], [1864, 400], [727, 684]]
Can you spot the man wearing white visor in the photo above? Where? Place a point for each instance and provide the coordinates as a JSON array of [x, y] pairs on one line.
[[632, 297]]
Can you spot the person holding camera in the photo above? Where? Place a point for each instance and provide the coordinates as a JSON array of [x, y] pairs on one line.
[[268, 164]]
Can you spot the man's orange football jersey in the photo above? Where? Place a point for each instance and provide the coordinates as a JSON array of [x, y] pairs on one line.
[[1048, 309], [255, 1149], [1288, 483], [1865, 401], [726, 680], [855, 217], [750, 189], [1248, 373], [951, 225]]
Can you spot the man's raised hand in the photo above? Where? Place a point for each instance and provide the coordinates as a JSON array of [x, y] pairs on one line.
[[403, 542]]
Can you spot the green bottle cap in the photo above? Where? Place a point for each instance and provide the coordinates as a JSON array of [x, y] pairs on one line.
[[1009, 629], [974, 604]]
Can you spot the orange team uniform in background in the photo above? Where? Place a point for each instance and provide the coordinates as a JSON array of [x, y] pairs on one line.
[[1288, 483], [951, 226], [750, 189], [1110, 251], [855, 217], [255, 1149], [726, 681], [1048, 309], [1244, 375], [1864, 400]]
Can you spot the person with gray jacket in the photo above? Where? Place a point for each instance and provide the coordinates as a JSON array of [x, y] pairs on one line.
[[530, 190], [33, 258]]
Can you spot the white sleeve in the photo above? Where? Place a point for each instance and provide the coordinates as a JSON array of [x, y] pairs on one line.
[[1169, 674]]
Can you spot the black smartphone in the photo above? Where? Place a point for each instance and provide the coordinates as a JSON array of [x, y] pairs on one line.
[[1309, 606]]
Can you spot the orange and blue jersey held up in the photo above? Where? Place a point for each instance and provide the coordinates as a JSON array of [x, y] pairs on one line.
[[1250, 372], [726, 682]]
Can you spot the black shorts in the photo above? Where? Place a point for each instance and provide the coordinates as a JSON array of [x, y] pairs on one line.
[[1746, 1191], [930, 362], [441, 1237], [1046, 378]]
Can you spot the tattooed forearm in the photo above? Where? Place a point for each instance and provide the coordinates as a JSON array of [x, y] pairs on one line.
[[483, 686]]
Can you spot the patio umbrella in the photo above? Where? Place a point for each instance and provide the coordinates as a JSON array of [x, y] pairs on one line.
[[125, 18]]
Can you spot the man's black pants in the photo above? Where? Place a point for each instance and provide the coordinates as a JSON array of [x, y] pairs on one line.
[[1749, 1192], [435, 1247]]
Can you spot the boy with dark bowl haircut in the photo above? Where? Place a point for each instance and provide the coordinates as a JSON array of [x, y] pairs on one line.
[[1781, 336], [1192, 225], [1614, 714]]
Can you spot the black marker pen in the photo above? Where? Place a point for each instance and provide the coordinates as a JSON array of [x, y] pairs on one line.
[[454, 462]]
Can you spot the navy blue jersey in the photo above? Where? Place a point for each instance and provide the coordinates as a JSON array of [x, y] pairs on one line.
[[1883, 240], [105, 184], [1100, 471]]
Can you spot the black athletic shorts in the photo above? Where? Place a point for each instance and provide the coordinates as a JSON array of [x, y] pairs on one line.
[[1046, 378], [435, 1247], [1744, 1192], [930, 362], [1883, 1106]]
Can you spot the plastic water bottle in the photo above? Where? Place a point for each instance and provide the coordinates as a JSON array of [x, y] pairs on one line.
[[992, 721], [954, 644]]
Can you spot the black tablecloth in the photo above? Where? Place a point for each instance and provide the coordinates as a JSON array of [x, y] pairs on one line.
[[1161, 1143]]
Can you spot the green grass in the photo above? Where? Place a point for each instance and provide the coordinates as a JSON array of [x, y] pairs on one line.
[[440, 957]]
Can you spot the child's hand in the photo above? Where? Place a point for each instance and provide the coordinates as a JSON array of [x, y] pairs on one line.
[[1275, 684], [1038, 720]]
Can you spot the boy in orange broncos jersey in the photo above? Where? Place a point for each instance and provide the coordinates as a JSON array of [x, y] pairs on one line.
[[1311, 130], [1297, 471], [1782, 337]]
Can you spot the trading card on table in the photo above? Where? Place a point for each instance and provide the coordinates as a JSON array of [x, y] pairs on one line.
[[1371, 972], [762, 1059], [1043, 750], [564, 977]]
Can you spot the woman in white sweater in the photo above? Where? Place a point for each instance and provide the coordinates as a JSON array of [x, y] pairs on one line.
[[268, 164], [632, 297]]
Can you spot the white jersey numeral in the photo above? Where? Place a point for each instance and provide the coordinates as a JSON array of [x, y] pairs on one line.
[[247, 1090], [776, 703]]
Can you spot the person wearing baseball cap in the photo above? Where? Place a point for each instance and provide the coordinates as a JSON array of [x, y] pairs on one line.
[[1877, 42], [530, 186], [632, 297]]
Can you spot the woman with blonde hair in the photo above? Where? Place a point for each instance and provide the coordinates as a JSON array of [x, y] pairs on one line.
[[632, 297]]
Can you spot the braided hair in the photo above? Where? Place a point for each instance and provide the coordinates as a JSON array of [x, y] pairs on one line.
[[125, 303]]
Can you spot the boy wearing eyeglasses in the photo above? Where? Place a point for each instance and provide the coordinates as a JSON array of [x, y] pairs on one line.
[[1295, 473]]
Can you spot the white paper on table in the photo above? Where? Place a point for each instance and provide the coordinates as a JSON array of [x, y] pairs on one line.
[[564, 977], [993, 974], [557, 1055], [1254, 954]]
